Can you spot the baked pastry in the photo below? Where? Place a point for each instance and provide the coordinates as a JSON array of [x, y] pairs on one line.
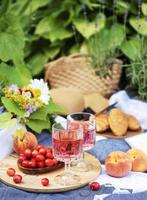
[[133, 123], [118, 122], [102, 123]]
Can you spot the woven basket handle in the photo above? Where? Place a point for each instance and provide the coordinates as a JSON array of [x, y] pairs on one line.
[[76, 55]]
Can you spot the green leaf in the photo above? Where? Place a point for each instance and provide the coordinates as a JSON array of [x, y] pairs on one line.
[[88, 3], [54, 108], [20, 133], [38, 125], [107, 40], [116, 36], [6, 121], [27, 7], [122, 6], [74, 49], [11, 39], [52, 51], [88, 28], [4, 7], [52, 29], [40, 114], [8, 124], [140, 25], [34, 5], [144, 8], [36, 63], [12, 107], [5, 117], [131, 48], [15, 75]]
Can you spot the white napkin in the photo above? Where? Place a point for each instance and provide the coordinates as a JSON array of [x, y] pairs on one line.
[[6, 140], [135, 181], [131, 106], [138, 142]]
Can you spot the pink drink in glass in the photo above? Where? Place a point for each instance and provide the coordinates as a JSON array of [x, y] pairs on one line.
[[89, 133], [89, 136], [66, 146]]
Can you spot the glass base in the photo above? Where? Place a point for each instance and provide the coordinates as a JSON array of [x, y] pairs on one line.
[[67, 179], [81, 166]]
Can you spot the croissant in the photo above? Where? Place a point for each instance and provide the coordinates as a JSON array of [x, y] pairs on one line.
[[133, 123], [118, 122], [102, 123]]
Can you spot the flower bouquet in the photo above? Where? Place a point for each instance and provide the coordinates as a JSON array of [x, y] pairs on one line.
[[30, 105]]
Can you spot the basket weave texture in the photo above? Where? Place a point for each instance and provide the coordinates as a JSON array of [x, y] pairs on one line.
[[76, 70]]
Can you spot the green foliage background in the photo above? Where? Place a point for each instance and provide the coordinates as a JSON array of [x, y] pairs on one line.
[[33, 32]]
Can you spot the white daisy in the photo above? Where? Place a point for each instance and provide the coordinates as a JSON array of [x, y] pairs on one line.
[[44, 90]]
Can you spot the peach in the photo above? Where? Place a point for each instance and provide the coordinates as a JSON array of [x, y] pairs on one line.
[[118, 164], [23, 140], [139, 160]]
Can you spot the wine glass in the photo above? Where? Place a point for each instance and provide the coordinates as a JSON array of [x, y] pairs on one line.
[[87, 121], [67, 146]]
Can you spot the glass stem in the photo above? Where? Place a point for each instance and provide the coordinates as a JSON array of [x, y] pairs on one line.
[[67, 167], [83, 155]]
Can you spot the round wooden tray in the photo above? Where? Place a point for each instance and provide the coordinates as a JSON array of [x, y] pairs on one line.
[[109, 134], [32, 183]]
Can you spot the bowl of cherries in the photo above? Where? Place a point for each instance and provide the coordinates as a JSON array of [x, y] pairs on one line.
[[38, 161]]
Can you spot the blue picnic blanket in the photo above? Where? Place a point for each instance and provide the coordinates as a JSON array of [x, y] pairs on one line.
[[9, 193]]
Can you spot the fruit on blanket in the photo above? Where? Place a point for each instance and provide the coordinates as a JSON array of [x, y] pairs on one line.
[[45, 181], [118, 164], [23, 140], [139, 160], [17, 179], [11, 172], [43, 157], [94, 186]]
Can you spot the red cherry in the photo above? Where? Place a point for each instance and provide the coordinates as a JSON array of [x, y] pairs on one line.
[[25, 163], [55, 161], [41, 164], [33, 163], [45, 181], [17, 178], [40, 157], [34, 153], [49, 155], [28, 153], [40, 146], [21, 154], [49, 149], [11, 172], [94, 185], [42, 151], [21, 158], [49, 162]]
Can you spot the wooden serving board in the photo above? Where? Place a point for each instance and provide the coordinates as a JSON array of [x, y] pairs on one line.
[[32, 183], [109, 134]]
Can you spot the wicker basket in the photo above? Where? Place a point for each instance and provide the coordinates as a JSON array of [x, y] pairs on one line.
[[75, 70]]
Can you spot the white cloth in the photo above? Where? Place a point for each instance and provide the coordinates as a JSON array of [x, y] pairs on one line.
[[135, 181], [131, 106], [6, 140], [138, 142]]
